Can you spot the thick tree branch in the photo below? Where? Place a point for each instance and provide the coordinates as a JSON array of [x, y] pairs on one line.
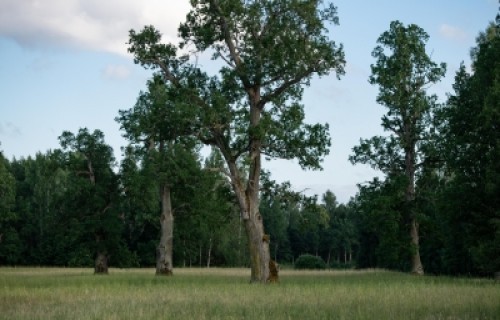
[[286, 85]]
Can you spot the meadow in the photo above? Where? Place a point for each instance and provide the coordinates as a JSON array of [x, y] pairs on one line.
[[67, 293]]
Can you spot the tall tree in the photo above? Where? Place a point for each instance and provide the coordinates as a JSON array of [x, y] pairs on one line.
[[382, 229], [9, 248], [471, 149], [339, 237], [93, 192], [41, 183], [7, 192], [270, 51], [403, 72], [277, 203], [139, 206], [157, 125]]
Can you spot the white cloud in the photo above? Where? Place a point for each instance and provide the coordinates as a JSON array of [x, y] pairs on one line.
[[87, 24], [116, 72], [452, 33]]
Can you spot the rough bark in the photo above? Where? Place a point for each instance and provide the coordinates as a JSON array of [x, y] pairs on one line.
[[164, 265], [258, 240], [258, 244], [248, 200]]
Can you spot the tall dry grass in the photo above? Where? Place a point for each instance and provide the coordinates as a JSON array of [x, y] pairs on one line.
[[58, 293]]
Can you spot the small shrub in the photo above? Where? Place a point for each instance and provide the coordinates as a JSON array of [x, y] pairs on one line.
[[307, 261]]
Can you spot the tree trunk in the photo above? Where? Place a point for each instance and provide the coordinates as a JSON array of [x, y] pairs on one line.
[[209, 253], [164, 251], [247, 195], [258, 245], [416, 264], [258, 241], [101, 263]]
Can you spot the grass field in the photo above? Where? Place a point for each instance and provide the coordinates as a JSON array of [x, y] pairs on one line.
[[58, 293]]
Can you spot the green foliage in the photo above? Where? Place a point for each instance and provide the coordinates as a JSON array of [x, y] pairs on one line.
[[310, 262], [269, 51], [11, 247], [339, 240], [470, 149], [403, 71], [9, 240], [64, 206], [383, 232], [7, 192], [91, 200], [265, 55]]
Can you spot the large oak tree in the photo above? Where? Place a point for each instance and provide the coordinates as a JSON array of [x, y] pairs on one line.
[[269, 50]]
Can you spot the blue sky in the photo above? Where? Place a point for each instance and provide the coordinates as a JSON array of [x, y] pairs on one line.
[[64, 66]]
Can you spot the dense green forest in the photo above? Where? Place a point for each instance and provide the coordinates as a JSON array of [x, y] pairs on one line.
[[165, 205]]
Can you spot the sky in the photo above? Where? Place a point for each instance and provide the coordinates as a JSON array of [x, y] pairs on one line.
[[64, 65]]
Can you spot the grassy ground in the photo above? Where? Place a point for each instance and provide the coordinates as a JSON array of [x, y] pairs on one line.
[[57, 293]]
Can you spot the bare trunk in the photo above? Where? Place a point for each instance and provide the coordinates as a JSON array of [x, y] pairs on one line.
[[91, 172], [209, 253], [416, 264], [258, 245], [164, 251], [258, 241], [101, 263], [247, 195]]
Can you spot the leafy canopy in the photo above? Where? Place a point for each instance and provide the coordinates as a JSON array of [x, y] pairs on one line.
[[269, 51], [403, 71]]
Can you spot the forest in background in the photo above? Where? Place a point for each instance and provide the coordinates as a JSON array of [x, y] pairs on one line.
[[75, 205]]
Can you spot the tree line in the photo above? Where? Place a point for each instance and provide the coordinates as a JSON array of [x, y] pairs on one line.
[[68, 207], [166, 205]]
